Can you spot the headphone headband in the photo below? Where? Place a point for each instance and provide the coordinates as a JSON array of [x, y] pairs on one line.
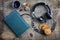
[[41, 4]]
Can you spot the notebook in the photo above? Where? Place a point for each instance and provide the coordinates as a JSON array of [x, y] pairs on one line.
[[16, 23]]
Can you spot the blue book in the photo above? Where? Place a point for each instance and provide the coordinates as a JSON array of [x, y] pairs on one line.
[[16, 23]]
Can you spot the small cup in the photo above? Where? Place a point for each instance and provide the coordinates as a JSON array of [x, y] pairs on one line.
[[16, 4]]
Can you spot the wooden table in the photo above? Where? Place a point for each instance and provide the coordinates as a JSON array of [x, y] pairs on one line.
[[8, 35]]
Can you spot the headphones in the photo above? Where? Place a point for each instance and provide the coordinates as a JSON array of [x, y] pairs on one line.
[[47, 15]]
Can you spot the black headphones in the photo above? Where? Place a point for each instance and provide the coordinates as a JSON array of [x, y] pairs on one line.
[[47, 14]]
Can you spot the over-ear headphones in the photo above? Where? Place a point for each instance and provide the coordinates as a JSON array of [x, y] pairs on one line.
[[47, 14]]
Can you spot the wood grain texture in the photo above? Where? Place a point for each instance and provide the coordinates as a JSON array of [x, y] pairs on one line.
[[26, 35]]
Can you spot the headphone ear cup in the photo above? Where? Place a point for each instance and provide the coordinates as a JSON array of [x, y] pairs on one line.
[[41, 19], [48, 15]]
